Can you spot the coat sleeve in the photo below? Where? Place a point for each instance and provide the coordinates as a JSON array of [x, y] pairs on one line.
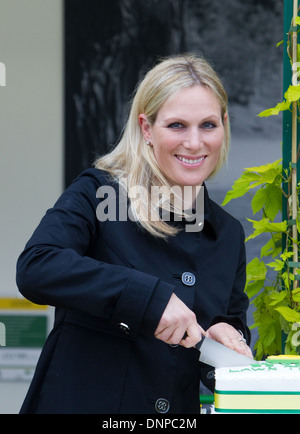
[[236, 312], [239, 302], [55, 267]]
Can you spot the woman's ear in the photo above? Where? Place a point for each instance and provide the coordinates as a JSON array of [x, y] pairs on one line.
[[146, 128]]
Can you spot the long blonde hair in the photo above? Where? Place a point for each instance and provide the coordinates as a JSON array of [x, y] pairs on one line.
[[132, 161]]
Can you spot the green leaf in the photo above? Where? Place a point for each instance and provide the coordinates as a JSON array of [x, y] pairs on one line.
[[286, 255], [253, 177], [269, 199], [293, 93], [266, 174], [267, 333], [297, 20], [256, 270], [240, 187], [273, 203], [273, 246], [265, 225], [296, 295], [287, 279], [281, 106], [276, 165], [277, 297], [259, 200], [298, 222], [237, 191], [256, 273], [253, 288], [289, 314], [278, 265], [268, 322]]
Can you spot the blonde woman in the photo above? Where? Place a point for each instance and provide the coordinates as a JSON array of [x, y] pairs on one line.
[[136, 277]]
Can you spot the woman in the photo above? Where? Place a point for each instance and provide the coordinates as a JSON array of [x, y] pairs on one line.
[[134, 291]]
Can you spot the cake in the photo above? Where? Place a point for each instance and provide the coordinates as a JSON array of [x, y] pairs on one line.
[[271, 386]]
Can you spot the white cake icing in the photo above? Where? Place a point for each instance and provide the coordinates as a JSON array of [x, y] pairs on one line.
[[272, 386], [259, 377]]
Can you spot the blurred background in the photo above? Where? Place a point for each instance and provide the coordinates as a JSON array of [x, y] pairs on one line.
[[71, 67]]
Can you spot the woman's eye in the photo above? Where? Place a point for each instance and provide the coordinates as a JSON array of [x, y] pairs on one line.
[[175, 125], [209, 125]]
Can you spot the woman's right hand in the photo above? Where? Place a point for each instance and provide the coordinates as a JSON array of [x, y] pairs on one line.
[[178, 325]]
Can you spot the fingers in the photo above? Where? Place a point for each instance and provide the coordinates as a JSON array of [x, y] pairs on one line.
[[176, 322], [238, 344], [241, 347], [192, 336], [230, 337], [187, 339], [181, 334]]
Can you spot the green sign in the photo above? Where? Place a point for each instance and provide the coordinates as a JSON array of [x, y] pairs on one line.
[[26, 331]]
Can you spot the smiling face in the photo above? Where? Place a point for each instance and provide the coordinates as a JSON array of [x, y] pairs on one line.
[[187, 136]]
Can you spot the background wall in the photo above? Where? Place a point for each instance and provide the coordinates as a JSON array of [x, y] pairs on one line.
[[110, 45], [32, 119], [31, 135]]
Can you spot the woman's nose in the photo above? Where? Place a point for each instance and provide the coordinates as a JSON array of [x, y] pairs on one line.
[[193, 140]]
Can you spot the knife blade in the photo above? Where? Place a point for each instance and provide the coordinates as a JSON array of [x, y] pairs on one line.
[[219, 356]]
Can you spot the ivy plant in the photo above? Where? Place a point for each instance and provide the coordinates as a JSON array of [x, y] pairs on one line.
[[273, 277]]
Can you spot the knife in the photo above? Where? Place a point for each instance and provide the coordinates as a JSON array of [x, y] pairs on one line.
[[219, 356]]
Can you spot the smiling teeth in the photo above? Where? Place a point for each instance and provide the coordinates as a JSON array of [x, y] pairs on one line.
[[186, 160]]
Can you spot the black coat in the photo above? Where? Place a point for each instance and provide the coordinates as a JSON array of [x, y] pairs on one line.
[[110, 283]]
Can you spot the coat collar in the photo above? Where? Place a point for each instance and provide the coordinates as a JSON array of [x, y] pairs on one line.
[[210, 214], [211, 226]]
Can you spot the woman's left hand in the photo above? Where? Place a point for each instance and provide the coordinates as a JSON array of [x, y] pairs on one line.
[[230, 337]]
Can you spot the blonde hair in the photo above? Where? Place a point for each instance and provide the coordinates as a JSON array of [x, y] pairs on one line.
[[133, 160]]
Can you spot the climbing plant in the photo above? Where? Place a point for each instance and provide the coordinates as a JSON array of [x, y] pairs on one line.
[[273, 277]]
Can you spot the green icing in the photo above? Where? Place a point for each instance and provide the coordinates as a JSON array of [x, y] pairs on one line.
[[269, 365], [286, 362]]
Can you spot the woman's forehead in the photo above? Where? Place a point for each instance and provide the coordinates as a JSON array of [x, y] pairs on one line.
[[189, 100]]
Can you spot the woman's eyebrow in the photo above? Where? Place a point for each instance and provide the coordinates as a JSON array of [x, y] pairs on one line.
[[181, 118]]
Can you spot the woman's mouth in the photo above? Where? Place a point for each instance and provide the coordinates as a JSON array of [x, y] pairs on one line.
[[188, 161]]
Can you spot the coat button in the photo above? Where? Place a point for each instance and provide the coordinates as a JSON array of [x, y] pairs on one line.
[[188, 279], [124, 327], [162, 405]]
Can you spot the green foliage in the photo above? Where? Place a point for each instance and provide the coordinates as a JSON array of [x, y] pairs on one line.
[[277, 304], [276, 299]]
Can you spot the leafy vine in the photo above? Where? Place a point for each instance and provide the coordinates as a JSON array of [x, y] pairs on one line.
[[276, 299]]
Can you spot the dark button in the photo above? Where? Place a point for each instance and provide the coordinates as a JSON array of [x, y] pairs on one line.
[[188, 279], [210, 375], [124, 327], [162, 405]]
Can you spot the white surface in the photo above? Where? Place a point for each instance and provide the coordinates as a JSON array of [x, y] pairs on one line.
[[258, 378]]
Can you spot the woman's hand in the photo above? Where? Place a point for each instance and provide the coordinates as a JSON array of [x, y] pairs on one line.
[[229, 336], [178, 325]]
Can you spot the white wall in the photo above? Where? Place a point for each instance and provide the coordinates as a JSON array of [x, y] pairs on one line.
[[31, 135]]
